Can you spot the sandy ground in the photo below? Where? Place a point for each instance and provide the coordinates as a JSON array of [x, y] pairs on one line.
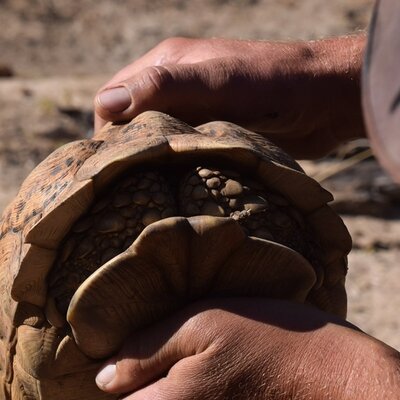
[[60, 52]]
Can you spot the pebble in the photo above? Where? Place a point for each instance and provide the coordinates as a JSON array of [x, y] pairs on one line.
[[232, 188], [235, 203], [213, 183], [205, 173]]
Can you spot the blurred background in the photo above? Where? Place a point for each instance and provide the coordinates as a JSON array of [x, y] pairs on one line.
[[55, 54]]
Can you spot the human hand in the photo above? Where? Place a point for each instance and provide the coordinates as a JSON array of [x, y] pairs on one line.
[[252, 349], [305, 96]]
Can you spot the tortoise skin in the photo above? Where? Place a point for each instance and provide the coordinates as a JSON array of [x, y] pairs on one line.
[[44, 351]]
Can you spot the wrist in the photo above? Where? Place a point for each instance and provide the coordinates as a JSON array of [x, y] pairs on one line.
[[353, 366]]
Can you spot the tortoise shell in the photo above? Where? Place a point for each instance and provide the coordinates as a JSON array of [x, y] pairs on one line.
[[112, 233]]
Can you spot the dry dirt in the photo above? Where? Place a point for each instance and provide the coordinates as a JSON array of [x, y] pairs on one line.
[[59, 52]]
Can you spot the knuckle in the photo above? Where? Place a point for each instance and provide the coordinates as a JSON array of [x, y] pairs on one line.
[[174, 49], [158, 76]]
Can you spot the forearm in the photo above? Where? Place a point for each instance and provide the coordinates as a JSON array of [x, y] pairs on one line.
[[338, 63]]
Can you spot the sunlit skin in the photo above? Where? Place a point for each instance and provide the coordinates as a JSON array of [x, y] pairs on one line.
[[305, 96]]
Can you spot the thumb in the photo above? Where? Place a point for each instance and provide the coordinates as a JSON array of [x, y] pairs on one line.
[[149, 354], [191, 92]]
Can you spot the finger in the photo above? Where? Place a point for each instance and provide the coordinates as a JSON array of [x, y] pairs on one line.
[[149, 354], [98, 122], [149, 89], [176, 50]]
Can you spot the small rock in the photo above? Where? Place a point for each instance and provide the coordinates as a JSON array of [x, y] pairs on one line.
[[206, 173], [232, 188], [213, 183], [235, 203]]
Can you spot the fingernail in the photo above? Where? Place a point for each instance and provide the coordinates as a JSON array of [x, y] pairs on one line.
[[106, 375], [115, 100]]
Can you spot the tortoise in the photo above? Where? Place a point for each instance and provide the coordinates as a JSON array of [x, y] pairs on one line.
[[110, 234]]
